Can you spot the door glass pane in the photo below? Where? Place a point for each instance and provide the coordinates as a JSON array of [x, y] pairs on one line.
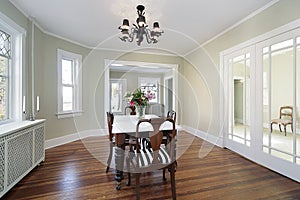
[[297, 136], [281, 45], [247, 98], [116, 97], [266, 113], [239, 101], [282, 95]]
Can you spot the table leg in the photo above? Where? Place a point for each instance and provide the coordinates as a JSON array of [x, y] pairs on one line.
[[119, 158]]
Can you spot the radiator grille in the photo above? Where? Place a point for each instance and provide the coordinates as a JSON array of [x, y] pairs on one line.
[[39, 144], [2, 165], [19, 155]]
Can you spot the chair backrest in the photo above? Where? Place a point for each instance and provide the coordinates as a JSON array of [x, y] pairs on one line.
[[172, 114], [110, 121], [286, 111], [129, 110], [156, 109], [155, 136]]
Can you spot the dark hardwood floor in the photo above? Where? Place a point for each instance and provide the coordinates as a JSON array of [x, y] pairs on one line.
[[71, 172]]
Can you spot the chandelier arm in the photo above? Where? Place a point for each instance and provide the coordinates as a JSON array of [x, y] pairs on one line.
[[132, 33], [148, 36], [140, 30]]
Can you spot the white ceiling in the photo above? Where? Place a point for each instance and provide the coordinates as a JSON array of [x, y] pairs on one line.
[[94, 23]]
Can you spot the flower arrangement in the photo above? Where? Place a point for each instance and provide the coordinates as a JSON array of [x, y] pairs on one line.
[[137, 98]]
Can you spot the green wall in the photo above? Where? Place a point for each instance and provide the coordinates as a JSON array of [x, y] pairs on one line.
[[199, 79]]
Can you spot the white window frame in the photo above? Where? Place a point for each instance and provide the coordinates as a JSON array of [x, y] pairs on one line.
[[151, 80], [16, 80], [77, 84]]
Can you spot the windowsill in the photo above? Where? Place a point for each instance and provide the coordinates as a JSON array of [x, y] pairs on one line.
[[16, 126], [69, 114]]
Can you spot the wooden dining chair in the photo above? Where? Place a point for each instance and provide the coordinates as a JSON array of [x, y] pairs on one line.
[[130, 110], [110, 121], [129, 141], [167, 137], [149, 154], [285, 118], [172, 114]]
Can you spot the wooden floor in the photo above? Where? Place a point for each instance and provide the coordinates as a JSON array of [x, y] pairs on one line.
[[71, 172]]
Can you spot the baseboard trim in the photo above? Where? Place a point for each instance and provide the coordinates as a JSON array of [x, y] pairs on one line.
[[218, 141], [73, 137], [102, 132]]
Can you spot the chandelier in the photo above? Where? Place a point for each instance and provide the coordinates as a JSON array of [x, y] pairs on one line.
[[140, 29]]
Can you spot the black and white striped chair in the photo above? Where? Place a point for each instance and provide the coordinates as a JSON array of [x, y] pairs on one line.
[[149, 154]]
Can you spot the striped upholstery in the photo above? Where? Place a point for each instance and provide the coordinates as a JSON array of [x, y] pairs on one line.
[[146, 158], [149, 153]]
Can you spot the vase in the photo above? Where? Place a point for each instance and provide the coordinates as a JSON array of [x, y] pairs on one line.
[[140, 111]]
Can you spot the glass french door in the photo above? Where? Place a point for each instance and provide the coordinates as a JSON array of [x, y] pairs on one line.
[[118, 88], [238, 86], [258, 81], [280, 61]]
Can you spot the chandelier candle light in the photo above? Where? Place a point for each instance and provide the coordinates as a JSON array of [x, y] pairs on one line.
[[140, 29]]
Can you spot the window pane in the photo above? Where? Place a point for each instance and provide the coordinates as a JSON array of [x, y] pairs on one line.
[[3, 88], [150, 87], [67, 98], [5, 44], [67, 71]]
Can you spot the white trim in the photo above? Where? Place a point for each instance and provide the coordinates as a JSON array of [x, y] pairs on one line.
[[235, 25], [11, 25], [77, 82], [108, 62], [73, 137], [273, 33], [16, 76], [32, 69], [218, 141]]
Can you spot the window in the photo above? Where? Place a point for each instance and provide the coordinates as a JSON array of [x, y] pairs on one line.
[[150, 87], [11, 39], [69, 84], [5, 60]]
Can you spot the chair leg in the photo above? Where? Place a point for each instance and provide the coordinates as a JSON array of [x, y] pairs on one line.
[[128, 182], [109, 157], [271, 127], [173, 186], [280, 127], [284, 130], [137, 185], [164, 175]]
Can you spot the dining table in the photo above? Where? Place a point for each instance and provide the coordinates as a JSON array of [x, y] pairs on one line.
[[124, 126]]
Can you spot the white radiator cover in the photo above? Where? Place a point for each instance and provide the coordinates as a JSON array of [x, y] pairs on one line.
[[22, 148]]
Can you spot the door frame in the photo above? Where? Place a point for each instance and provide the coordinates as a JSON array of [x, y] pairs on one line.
[[255, 151], [108, 62]]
